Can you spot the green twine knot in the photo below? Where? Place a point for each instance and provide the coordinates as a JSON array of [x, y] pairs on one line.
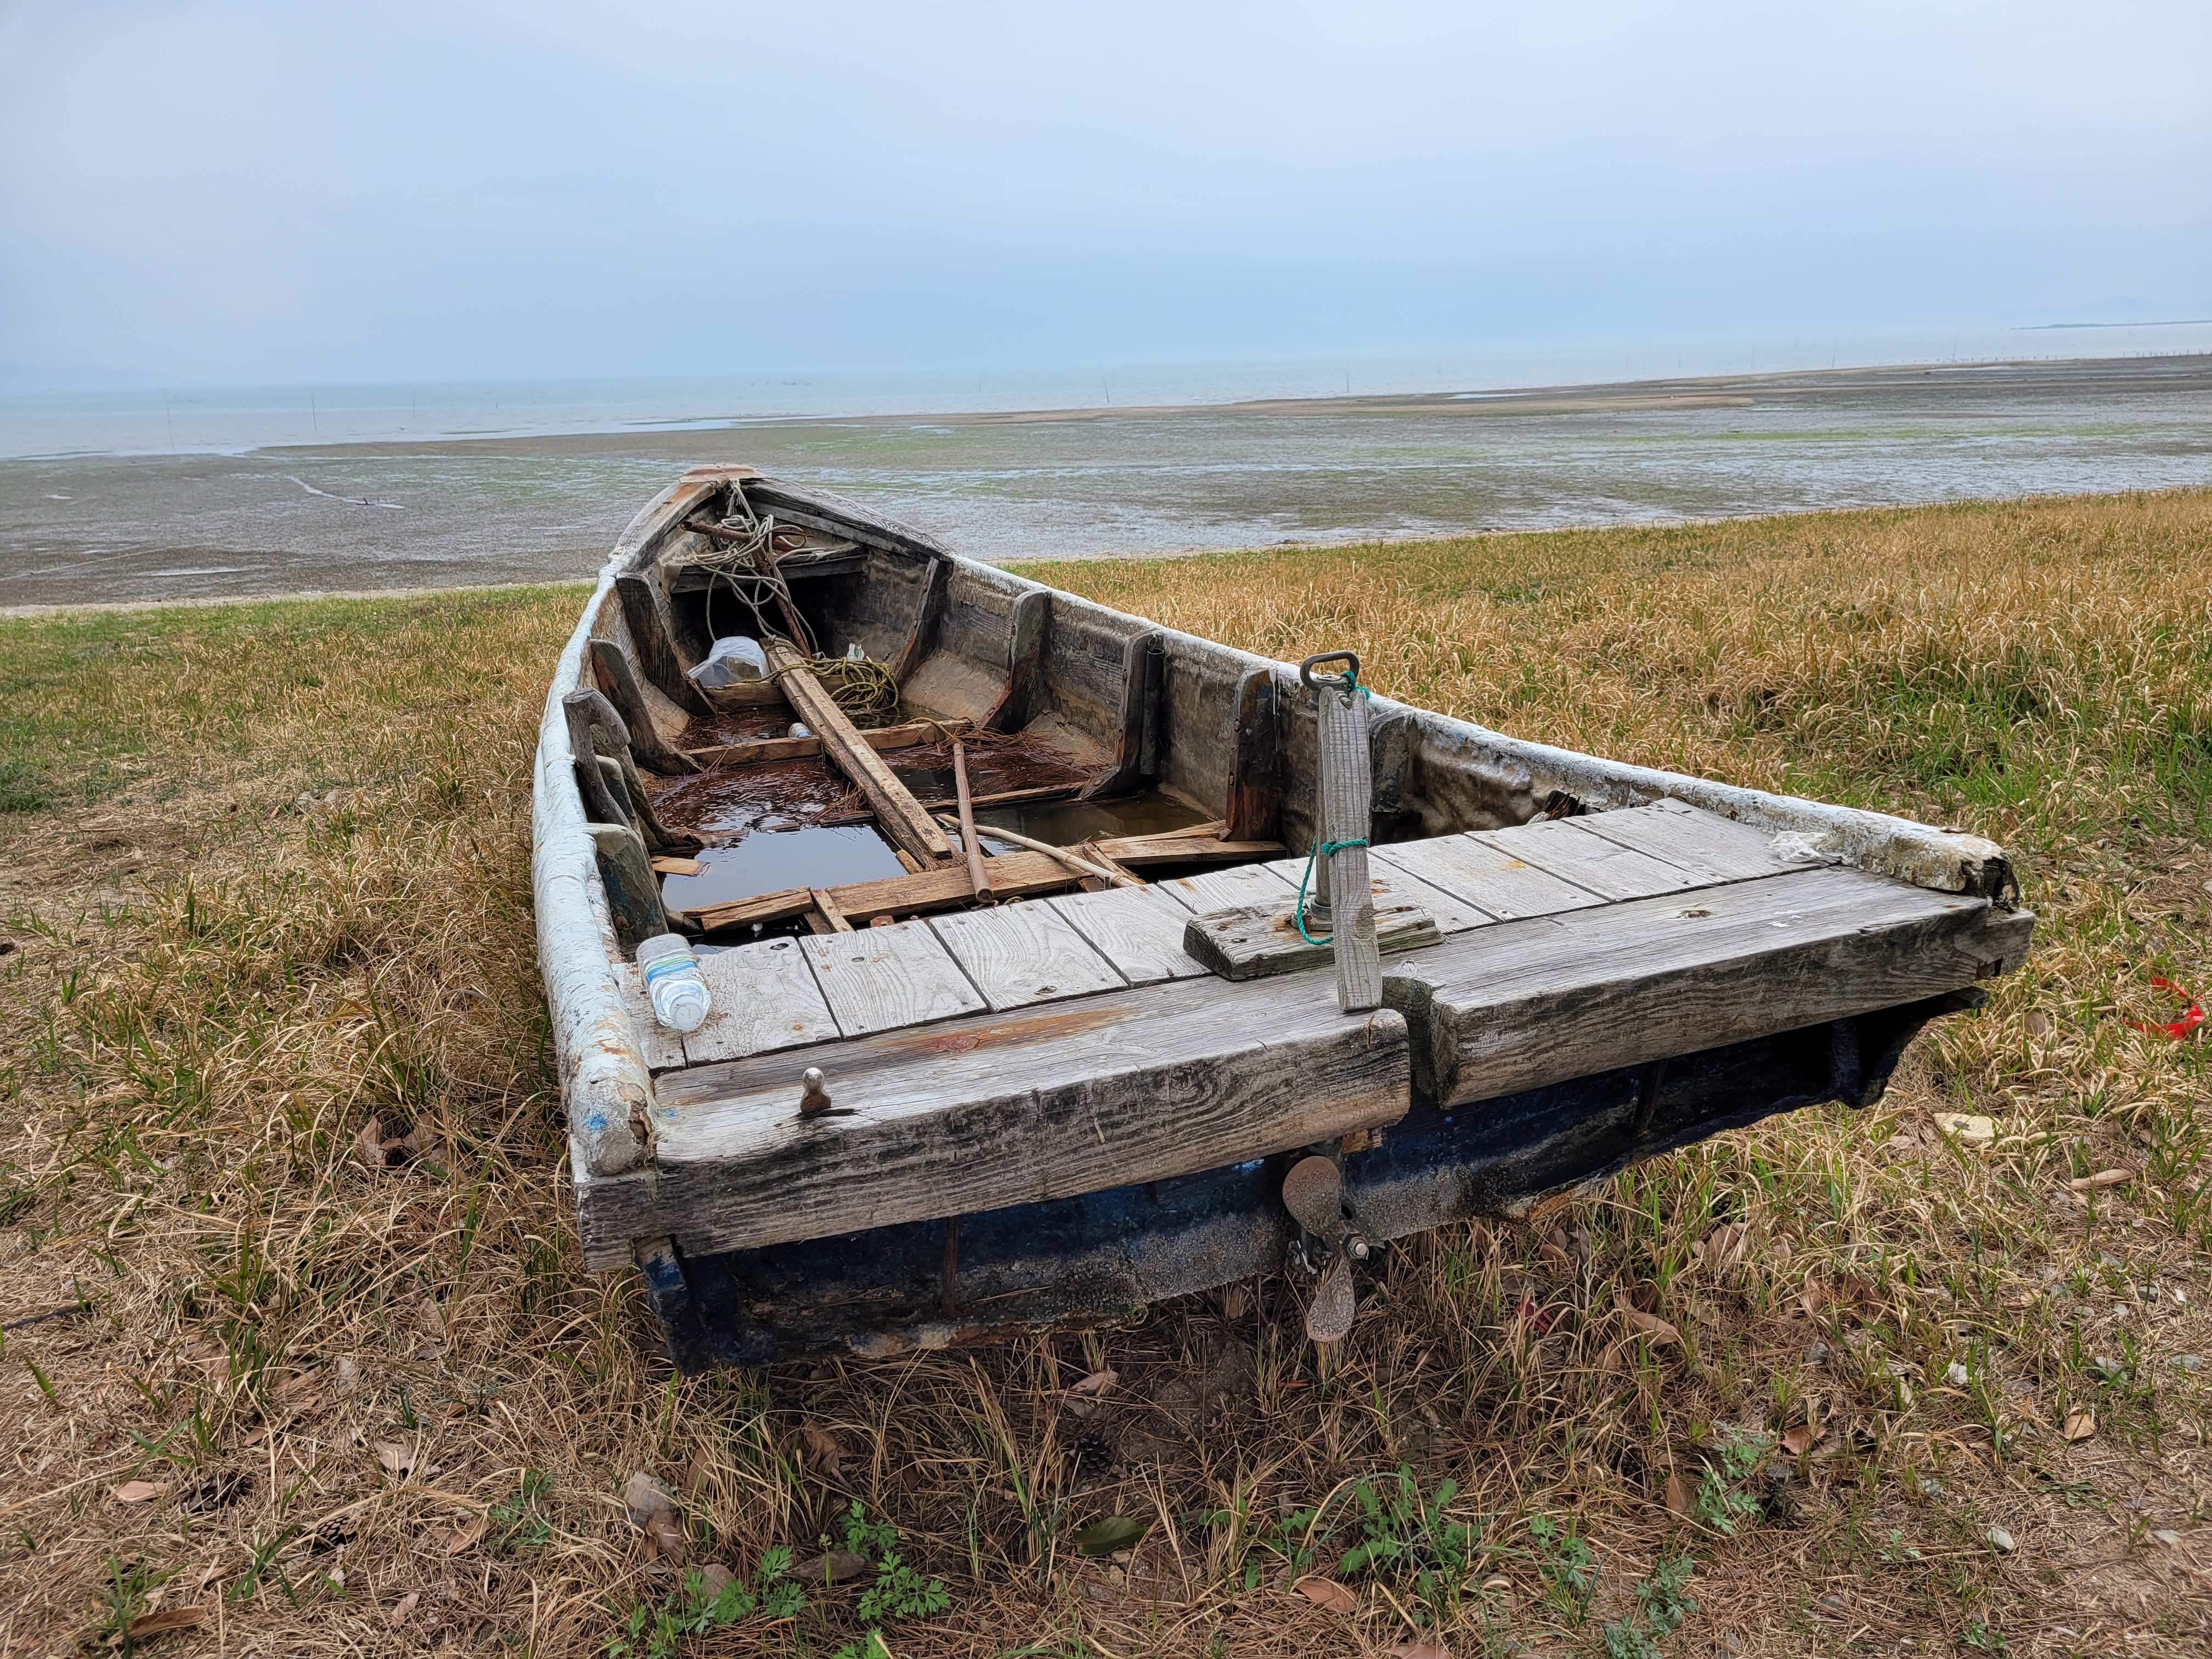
[[1321, 850]]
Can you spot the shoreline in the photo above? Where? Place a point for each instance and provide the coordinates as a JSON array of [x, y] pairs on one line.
[[95, 607]]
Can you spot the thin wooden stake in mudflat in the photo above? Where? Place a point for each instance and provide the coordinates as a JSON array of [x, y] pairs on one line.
[[1346, 788], [901, 816]]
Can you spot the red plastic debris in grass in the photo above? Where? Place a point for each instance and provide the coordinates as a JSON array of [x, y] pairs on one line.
[[2191, 1017]]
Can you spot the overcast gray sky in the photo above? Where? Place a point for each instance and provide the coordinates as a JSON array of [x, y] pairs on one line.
[[234, 193]]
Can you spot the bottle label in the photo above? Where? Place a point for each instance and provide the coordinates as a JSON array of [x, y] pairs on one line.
[[662, 967]]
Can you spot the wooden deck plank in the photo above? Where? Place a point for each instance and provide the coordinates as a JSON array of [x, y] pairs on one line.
[[1224, 889], [1474, 871], [1605, 867], [1527, 1003], [875, 979], [1137, 929], [980, 1113], [765, 998], [1019, 954], [662, 1048], [1452, 913], [1703, 843]]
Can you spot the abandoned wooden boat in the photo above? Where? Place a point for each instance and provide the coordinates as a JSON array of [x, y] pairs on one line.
[[957, 1084]]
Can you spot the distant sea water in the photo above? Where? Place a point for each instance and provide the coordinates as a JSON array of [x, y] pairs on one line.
[[193, 493]]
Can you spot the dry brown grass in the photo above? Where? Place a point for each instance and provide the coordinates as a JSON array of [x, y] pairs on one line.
[[265, 880]]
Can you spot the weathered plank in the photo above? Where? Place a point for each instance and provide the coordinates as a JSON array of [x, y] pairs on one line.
[[1013, 875], [1527, 1003], [1137, 929], [1704, 843], [652, 631], [978, 1114], [1184, 847], [1018, 954], [653, 720], [1476, 872], [898, 813], [1604, 867], [1263, 941], [1228, 890], [875, 979], [883, 738], [765, 999]]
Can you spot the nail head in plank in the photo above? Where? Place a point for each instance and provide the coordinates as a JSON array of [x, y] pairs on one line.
[[764, 998], [1227, 889], [1607, 868], [1703, 843], [1474, 871], [1137, 929], [970, 1115], [1019, 954], [877, 978]]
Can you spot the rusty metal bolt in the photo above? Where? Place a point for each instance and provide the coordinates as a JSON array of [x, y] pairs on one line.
[[815, 1100]]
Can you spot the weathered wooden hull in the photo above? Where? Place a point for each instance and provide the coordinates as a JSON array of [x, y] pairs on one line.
[[1049, 1111]]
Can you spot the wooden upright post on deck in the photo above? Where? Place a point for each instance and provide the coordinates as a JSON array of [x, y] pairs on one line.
[[1346, 790]]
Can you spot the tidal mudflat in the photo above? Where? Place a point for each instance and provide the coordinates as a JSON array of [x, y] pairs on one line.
[[1119, 483]]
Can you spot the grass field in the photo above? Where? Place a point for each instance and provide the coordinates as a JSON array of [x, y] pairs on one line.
[[263, 878]]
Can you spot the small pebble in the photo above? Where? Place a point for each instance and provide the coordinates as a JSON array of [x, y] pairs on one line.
[[2189, 1362], [1817, 1354], [1930, 1485], [1955, 1375], [2001, 1541], [2168, 1537]]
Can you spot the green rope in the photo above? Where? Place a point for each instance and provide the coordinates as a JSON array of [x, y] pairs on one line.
[[1321, 850]]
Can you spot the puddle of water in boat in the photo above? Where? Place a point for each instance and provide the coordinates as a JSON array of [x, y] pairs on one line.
[[767, 861], [1065, 823]]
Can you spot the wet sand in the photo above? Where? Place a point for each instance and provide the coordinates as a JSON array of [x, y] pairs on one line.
[[1116, 482]]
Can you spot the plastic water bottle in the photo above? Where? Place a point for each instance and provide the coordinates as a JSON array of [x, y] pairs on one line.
[[674, 982]]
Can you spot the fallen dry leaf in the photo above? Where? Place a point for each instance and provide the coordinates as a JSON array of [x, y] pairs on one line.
[[1678, 1496], [1417, 1650], [458, 1540], [396, 1457], [2039, 1023], [1082, 1399], [1797, 1439], [825, 1451], [402, 1609], [1645, 1324], [1329, 1593], [652, 1511], [1726, 1244], [2080, 1426], [137, 1491], [148, 1626], [1553, 1256], [1233, 1301], [834, 1568], [2102, 1178]]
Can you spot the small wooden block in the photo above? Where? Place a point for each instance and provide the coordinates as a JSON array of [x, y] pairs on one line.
[[1394, 887], [877, 978], [1019, 954], [666, 866], [1137, 929], [765, 999], [1258, 941]]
